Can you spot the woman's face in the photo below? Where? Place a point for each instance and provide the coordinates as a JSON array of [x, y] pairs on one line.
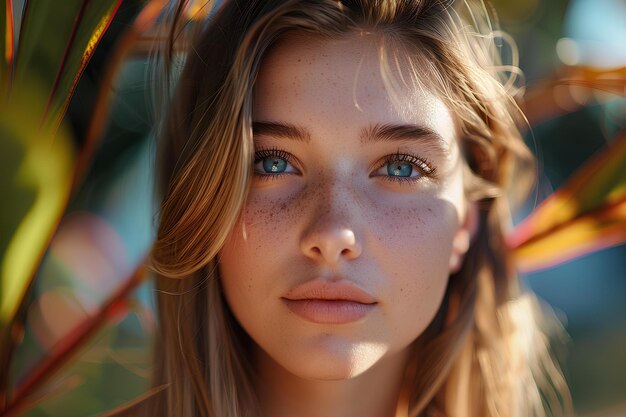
[[352, 189]]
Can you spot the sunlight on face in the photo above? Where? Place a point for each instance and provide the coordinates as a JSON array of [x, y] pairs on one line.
[[352, 189]]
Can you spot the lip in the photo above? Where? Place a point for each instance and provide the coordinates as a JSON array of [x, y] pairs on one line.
[[326, 302]]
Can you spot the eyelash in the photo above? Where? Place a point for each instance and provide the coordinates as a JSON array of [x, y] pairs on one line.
[[422, 165], [271, 152]]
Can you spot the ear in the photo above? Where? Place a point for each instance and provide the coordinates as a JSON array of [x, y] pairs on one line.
[[463, 237]]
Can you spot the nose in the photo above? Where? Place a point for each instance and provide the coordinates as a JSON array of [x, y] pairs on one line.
[[331, 234]]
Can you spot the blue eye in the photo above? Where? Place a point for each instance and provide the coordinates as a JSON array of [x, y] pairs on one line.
[[399, 170], [268, 162]]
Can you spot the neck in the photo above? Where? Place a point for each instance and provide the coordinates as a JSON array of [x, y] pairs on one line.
[[374, 393]]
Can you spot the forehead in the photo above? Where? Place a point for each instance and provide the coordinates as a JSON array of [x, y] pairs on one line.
[[354, 79]]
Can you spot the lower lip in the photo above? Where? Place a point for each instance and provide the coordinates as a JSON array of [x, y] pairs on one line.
[[329, 311]]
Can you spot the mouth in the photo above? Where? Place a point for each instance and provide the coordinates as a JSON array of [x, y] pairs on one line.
[[330, 302], [329, 311]]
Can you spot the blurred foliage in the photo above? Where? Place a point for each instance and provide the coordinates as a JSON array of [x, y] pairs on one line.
[[586, 214], [76, 129], [54, 307], [36, 165], [566, 47]]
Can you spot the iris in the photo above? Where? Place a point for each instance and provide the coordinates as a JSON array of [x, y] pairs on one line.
[[399, 170], [274, 165]]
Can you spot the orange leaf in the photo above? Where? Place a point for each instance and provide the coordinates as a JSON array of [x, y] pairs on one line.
[[586, 214], [585, 234], [555, 97]]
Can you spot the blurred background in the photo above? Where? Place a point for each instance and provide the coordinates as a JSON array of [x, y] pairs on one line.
[[109, 222], [589, 293]]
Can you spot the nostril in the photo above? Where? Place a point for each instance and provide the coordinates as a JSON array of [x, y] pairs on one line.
[[316, 250], [345, 251]]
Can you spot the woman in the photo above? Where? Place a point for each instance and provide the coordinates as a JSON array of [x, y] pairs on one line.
[[334, 177]]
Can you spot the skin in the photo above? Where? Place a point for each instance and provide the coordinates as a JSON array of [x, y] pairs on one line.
[[335, 212]]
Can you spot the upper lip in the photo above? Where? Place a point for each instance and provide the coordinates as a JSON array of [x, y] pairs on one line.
[[319, 289]]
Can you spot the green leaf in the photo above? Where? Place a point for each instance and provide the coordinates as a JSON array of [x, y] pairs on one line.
[[35, 178], [71, 30], [588, 213]]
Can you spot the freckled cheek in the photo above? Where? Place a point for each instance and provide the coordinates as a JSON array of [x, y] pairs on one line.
[[261, 239], [426, 219], [413, 251], [250, 261], [414, 244], [269, 220]]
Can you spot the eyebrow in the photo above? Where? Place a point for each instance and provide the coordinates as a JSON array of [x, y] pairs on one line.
[[379, 132], [384, 132], [281, 130]]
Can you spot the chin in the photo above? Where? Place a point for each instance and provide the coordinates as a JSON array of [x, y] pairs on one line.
[[334, 361]]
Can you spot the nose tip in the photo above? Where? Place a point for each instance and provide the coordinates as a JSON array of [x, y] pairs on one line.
[[331, 245]]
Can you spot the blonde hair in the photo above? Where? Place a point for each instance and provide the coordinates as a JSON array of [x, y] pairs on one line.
[[487, 355]]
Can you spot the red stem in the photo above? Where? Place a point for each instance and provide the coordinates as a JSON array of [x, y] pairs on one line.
[[24, 19], [68, 47], [10, 42]]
